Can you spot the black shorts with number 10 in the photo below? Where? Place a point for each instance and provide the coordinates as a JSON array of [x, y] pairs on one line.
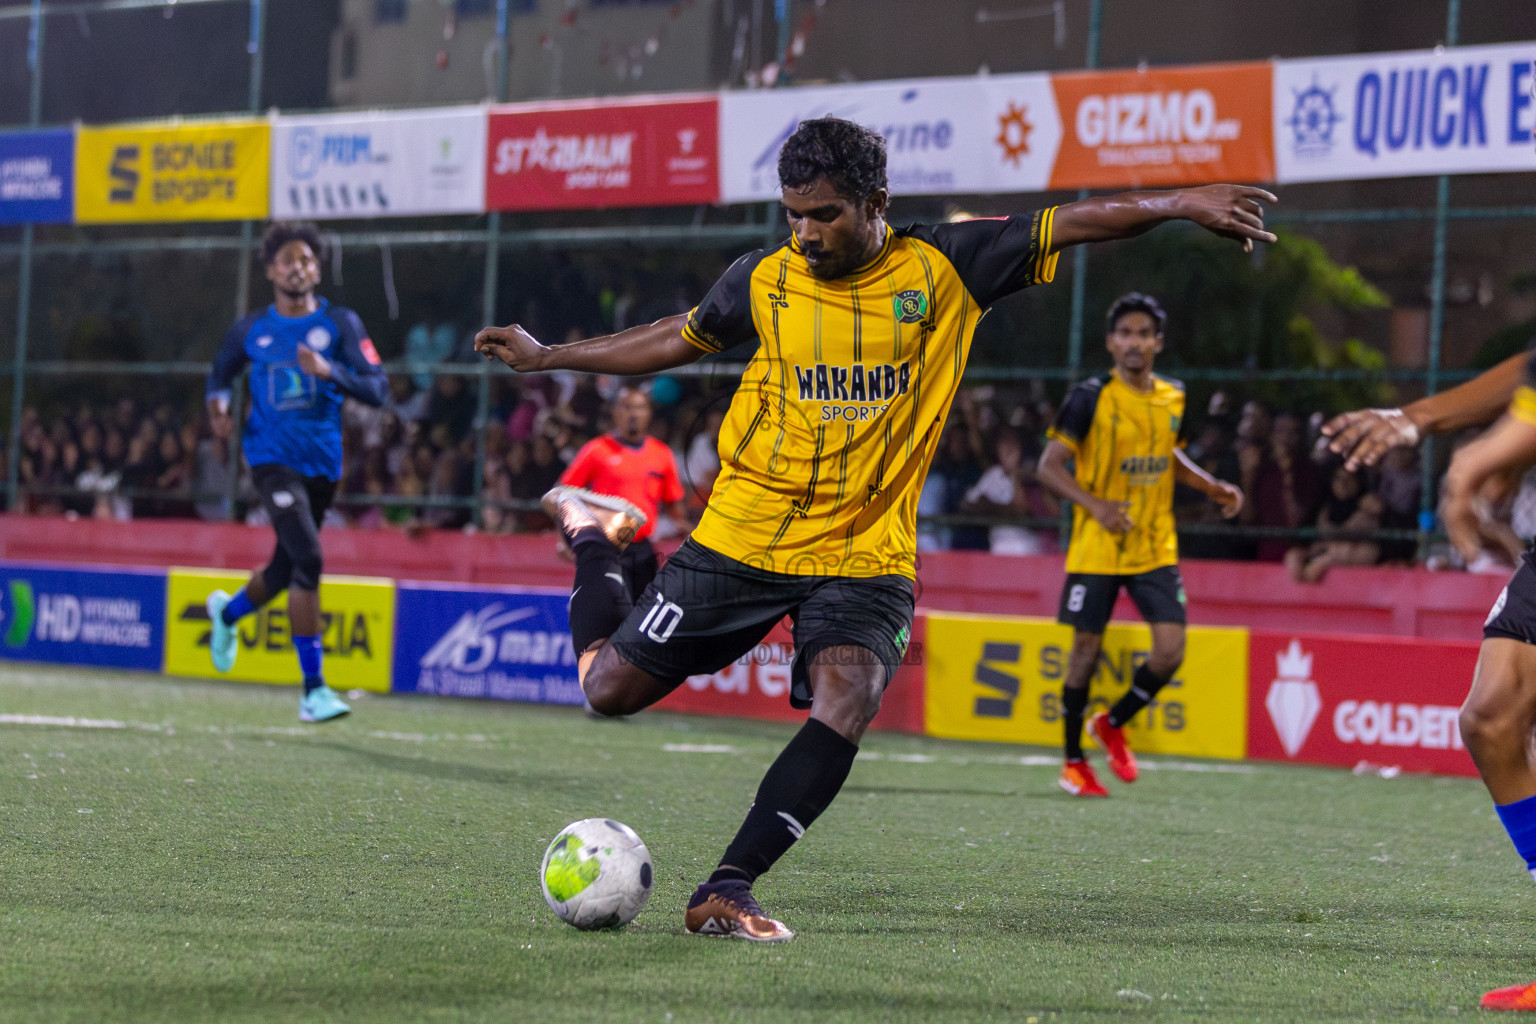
[[705, 611]]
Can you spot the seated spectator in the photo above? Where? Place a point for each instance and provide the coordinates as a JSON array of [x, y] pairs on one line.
[[1398, 488], [1283, 485], [1348, 510], [1009, 489]]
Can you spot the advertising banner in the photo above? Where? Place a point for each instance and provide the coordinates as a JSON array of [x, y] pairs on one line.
[[172, 172], [1164, 126], [1387, 701], [81, 616], [943, 135], [757, 686], [37, 178], [506, 643], [401, 164], [357, 631], [633, 152], [1462, 110], [999, 678]]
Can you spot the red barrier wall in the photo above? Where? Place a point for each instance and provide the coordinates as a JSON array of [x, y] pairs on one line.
[[1395, 602], [758, 687]]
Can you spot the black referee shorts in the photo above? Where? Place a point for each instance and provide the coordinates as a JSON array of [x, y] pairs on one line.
[[705, 611], [1088, 599]]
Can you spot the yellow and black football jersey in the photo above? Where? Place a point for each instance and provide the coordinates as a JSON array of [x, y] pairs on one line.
[[828, 439], [1122, 441]]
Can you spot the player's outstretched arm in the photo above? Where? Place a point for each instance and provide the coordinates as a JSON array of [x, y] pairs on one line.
[[1188, 472], [639, 350], [1052, 473], [1365, 435], [1231, 211], [1492, 462]]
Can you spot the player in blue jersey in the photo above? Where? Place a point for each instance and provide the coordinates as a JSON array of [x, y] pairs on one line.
[[306, 357]]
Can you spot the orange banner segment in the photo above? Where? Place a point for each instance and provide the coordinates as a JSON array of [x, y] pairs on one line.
[[1165, 126]]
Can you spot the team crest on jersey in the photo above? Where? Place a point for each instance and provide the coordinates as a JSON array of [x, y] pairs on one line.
[[318, 338], [911, 306]]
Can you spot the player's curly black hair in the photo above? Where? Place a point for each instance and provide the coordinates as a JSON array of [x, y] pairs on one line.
[[1136, 302], [848, 155], [280, 232]]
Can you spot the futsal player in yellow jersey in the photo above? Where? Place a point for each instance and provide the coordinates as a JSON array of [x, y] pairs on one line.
[[1125, 432], [862, 335]]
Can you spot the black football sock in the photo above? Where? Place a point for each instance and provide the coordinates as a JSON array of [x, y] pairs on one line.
[[798, 787], [1074, 701], [1144, 686], [600, 600]]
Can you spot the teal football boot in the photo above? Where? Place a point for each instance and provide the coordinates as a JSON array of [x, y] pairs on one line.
[[223, 640], [321, 705]]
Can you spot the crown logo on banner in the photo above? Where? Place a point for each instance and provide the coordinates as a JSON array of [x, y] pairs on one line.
[[1293, 700]]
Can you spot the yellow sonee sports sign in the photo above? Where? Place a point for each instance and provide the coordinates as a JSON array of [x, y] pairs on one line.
[[357, 631], [167, 172], [999, 678]]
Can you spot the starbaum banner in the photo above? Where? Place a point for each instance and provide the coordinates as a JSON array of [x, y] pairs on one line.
[[1164, 126], [379, 164], [647, 151], [1387, 701], [1462, 110], [172, 172]]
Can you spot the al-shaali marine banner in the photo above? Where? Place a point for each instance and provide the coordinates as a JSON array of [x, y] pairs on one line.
[[215, 170], [999, 678], [1456, 110], [379, 164]]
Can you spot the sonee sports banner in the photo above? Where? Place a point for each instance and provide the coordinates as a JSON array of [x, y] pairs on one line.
[[172, 172], [999, 678]]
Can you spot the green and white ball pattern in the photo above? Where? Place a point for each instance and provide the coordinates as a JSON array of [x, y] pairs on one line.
[[597, 874]]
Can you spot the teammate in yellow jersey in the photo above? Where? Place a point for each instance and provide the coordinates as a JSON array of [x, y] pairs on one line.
[[862, 334], [1125, 432]]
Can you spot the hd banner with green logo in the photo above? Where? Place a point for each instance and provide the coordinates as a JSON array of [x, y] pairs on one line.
[[999, 678], [111, 618], [357, 631]]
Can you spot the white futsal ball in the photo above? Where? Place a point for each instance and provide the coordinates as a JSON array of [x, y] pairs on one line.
[[597, 874]]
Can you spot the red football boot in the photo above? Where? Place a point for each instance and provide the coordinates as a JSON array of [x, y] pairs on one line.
[[1078, 779], [1111, 740], [1520, 998]]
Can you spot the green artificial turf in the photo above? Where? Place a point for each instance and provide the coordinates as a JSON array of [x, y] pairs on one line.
[[212, 859]]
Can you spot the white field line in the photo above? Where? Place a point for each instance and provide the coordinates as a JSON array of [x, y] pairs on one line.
[[62, 722]]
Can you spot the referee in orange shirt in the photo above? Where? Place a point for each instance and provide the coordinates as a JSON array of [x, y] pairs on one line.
[[629, 464]]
